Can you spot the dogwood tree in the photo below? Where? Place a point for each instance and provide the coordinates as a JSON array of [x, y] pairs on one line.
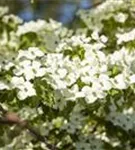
[[69, 89]]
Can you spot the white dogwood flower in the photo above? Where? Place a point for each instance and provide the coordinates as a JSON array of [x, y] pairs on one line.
[[26, 90], [121, 17], [89, 95], [4, 86], [119, 82], [17, 81], [31, 53]]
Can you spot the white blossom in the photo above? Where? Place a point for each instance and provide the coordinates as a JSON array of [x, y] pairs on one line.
[[17, 81], [132, 79], [89, 95], [31, 26], [31, 53], [26, 90], [120, 82], [121, 17], [4, 86], [125, 37]]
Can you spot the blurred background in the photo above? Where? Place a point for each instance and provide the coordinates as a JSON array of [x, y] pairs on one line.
[[60, 10]]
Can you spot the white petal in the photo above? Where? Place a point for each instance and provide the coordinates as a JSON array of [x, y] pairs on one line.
[[3, 86], [132, 79]]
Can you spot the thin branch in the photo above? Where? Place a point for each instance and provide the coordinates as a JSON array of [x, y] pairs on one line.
[[40, 137]]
